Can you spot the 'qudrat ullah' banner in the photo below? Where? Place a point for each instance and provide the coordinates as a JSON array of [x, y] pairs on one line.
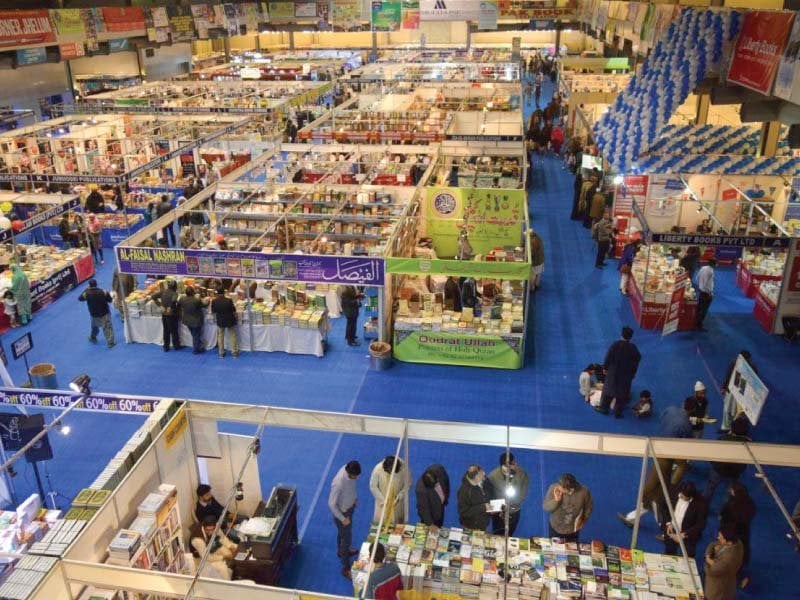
[[445, 348]]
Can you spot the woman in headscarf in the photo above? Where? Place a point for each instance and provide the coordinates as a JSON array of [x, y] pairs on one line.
[[21, 288]]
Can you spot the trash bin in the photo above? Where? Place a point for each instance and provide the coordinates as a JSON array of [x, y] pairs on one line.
[[380, 356], [43, 376]]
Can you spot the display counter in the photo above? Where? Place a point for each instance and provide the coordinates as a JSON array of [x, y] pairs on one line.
[[765, 305], [260, 558], [755, 268], [115, 228], [538, 568], [650, 310]]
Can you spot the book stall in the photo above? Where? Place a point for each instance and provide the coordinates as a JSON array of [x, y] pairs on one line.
[[147, 155], [415, 96], [460, 276], [183, 447], [90, 84], [51, 269], [589, 94], [310, 65], [474, 72], [395, 165]]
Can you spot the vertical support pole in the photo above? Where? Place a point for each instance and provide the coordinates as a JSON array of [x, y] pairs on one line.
[[381, 310], [406, 466], [703, 104], [770, 135], [637, 520]]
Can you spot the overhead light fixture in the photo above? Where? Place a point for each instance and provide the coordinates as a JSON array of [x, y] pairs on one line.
[[63, 429], [80, 384]]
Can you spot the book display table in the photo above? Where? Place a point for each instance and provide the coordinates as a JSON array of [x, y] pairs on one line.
[[264, 338], [461, 563], [749, 281], [650, 314]]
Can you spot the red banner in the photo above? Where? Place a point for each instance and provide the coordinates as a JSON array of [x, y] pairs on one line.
[[119, 20], [759, 48], [71, 50], [674, 306], [25, 28]]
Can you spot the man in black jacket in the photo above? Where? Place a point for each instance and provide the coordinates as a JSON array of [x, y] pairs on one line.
[[621, 364], [95, 203], [97, 302], [164, 208], [191, 309], [433, 494], [350, 309], [473, 499], [224, 310], [167, 300], [727, 472], [690, 514]]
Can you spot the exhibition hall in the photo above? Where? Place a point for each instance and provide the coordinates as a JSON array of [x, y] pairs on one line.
[[413, 300]]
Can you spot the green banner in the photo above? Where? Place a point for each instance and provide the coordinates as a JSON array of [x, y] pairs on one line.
[[281, 10], [131, 102], [68, 21], [386, 16], [444, 348], [493, 217], [458, 268]]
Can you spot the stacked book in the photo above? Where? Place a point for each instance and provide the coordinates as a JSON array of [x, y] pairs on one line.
[[26, 576], [119, 466], [60, 536], [473, 565], [123, 547]]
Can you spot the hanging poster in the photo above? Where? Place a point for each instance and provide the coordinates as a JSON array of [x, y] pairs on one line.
[[488, 15], [181, 23], [305, 10], [25, 28], [203, 16], [122, 20], [71, 50], [249, 16], [346, 14], [159, 16], [231, 19], [386, 16], [281, 11], [759, 48], [68, 22], [748, 390], [787, 81], [31, 56], [89, 17], [410, 18], [665, 193]]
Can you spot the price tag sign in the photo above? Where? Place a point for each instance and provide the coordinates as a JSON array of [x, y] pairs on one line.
[[22, 346]]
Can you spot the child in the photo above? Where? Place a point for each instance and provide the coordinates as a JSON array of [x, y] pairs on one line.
[[644, 407], [10, 307], [590, 389]]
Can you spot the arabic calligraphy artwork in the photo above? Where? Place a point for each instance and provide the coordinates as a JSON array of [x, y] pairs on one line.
[[354, 270]]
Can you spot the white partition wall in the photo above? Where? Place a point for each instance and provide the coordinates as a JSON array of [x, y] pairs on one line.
[[222, 471]]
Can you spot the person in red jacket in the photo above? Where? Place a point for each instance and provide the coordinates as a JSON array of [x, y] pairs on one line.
[[385, 580]]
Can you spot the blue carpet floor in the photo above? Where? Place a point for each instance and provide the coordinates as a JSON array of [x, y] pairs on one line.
[[576, 314]]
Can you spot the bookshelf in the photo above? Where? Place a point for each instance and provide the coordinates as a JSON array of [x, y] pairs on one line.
[[154, 541]]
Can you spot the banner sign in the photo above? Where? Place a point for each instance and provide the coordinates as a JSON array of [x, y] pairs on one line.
[[123, 20], [386, 16], [42, 178], [719, 240], [353, 270], [68, 22], [142, 106], [748, 390], [410, 14], [40, 218], [458, 268], [759, 48], [491, 217], [674, 305], [25, 28], [71, 50], [531, 14], [445, 348], [47, 291], [449, 10], [787, 81], [181, 24], [60, 400], [21, 346], [31, 56]]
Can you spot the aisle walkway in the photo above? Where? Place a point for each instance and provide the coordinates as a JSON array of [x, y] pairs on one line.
[[577, 313]]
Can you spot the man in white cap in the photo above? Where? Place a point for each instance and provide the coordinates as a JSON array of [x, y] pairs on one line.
[[700, 409]]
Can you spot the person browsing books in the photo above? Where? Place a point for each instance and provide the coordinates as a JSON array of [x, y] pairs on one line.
[[570, 506], [392, 497], [342, 502], [510, 482], [385, 581], [433, 494], [473, 499]]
